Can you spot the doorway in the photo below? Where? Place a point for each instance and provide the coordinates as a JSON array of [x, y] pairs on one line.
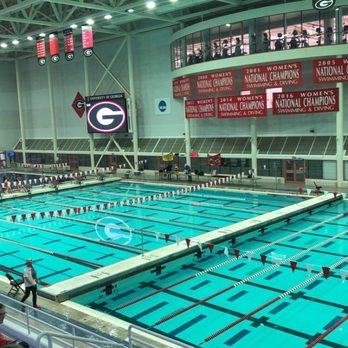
[[294, 171]]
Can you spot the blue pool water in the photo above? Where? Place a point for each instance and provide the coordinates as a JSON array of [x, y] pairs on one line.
[[210, 299], [241, 302], [69, 241]]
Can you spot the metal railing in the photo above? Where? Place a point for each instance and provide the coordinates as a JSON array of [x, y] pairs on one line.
[[48, 339], [29, 324], [42, 329]]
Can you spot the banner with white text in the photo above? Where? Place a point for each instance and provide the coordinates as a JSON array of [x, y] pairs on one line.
[[330, 70], [306, 102], [272, 76], [219, 82], [253, 105], [182, 87], [202, 108]]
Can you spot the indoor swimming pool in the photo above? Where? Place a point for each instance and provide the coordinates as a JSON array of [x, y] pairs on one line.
[[265, 288]]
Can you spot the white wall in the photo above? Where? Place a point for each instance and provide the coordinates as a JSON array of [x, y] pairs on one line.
[[153, 79], [9, 117]]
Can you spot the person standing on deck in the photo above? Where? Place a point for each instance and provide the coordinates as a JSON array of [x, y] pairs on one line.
[[30, 282]]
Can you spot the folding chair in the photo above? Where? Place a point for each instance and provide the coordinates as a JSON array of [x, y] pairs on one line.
[[15, 285]]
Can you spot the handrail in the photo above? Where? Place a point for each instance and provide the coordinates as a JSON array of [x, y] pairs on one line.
[[41, 321], [52, 335], [132, 339]]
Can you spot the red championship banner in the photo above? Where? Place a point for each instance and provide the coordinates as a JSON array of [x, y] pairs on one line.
[[54, 47], [69, 47], [41, 51], [330, 70], [87, 40], [182, 87], [253, 105], [271, 76], [219, 82], [202, 108], [306, 102]]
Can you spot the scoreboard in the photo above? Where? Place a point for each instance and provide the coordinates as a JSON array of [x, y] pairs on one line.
[[107, 113]]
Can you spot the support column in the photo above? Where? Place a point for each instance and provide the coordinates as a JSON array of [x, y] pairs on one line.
[[187, 137], [20, 111], [134, 118], [252, 37], [53, 118], [340, 137], [87, 92], [339, 26], [253, 140]]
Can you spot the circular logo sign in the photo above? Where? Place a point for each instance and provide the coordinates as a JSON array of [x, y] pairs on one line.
[[106, 116], [113, 229], [79, 104], [162, 106], [88, 52], [323, 4], [69, 56], [55, 58], [42, 61]]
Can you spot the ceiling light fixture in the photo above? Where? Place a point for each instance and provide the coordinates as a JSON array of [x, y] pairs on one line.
[[73, 26], [130, 10], [15, 42], [173, 1], [3, 45], [30, 38], [90, 21], [150, 5], [228, 25], [107, 16]]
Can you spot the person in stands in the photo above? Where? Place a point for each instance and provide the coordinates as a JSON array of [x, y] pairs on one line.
[[30, 282], [7, 341]]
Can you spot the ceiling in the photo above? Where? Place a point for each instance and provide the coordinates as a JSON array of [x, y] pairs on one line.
[[22, 18]]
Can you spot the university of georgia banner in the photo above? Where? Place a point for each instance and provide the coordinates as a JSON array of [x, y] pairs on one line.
[[69, 47], [212, 83], [182, 87], [54, 47], [41, 51], [252, 105], [330, 70], [306, 102], [201, 108], [272, 76], [87, 40]]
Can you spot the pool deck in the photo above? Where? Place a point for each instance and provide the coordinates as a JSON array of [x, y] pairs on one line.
[[40, 189]]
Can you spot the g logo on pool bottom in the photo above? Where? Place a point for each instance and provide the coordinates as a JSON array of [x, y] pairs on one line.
[[113, 229]]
